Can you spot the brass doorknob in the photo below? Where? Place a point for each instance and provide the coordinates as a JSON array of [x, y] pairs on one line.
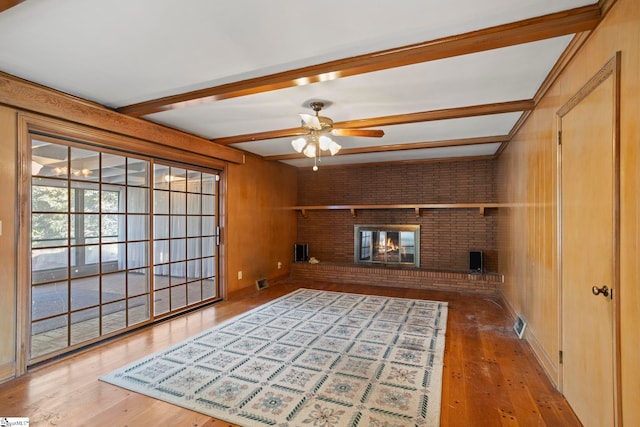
[[603, 290]]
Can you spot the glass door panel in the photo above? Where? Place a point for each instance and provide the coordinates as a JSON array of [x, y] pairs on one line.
[[116, 241], [89, 246], [185, 238], [387, 244]]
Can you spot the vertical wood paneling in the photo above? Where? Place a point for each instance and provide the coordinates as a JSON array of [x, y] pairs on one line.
[[526, 250], [8, 132], [527, 172], [259, 232]]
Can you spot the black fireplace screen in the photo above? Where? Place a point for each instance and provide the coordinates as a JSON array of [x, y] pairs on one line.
[[385, 244]]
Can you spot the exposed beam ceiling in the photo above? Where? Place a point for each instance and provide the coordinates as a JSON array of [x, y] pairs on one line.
[[399, 119], [441, 80], [553, 25]]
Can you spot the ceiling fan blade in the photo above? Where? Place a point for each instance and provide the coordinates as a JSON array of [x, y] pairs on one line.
[[311, 121], [373, 133]]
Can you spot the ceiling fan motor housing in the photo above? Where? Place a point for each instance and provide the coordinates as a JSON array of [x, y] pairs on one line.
[[326, 124]]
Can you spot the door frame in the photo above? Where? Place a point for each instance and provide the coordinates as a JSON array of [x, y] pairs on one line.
[[102, 140], [611, 69]]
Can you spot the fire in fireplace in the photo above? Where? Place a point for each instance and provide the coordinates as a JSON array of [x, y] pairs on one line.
[[387, 244]]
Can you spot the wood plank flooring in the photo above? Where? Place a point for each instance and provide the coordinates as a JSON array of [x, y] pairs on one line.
[[490, 377]]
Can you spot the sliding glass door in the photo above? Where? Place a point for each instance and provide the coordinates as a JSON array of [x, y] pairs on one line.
[[186, 231], [116, 241]]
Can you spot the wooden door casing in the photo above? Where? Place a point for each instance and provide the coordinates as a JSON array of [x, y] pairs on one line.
[[589, 176]]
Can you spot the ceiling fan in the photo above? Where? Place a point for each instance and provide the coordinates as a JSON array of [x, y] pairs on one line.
[[318, 129]]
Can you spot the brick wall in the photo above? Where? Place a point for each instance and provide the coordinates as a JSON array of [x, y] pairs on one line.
[[397, 277], [446, 235]]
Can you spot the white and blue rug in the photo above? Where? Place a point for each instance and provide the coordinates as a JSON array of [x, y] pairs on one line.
[[309, 358]]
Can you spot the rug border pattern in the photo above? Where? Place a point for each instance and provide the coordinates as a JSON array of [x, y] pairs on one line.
[[310, 357]]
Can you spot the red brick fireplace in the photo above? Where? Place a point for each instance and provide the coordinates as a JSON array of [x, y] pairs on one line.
[[446, 235]]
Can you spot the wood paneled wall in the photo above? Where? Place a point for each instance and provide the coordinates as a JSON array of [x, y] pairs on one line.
[[527, 173], [527, 233], [8, 156], [260, 232]]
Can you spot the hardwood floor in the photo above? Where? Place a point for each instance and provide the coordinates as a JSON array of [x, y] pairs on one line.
[[490, 377]]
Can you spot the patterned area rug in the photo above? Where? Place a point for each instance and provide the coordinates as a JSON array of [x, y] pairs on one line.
[[309, 358]]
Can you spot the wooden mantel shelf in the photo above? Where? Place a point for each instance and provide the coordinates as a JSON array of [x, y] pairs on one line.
[[417, 207]]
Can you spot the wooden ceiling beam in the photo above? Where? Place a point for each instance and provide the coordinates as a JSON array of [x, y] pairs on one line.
[[402, 147], [605, 6], [260, 136], [8, 4], [553, 25], [27, 96], [410, 162], [443, 114], [398, 119]]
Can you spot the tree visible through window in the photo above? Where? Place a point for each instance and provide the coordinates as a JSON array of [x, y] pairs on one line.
[[93, 268]]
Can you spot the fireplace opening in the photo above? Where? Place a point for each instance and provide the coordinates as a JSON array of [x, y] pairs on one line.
[[387, 244]]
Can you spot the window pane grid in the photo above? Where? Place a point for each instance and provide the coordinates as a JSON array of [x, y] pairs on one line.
[[180, 229], [78, 237], [106, 232]]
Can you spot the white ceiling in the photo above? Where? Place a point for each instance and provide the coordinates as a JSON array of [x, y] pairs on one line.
[[123, 52]]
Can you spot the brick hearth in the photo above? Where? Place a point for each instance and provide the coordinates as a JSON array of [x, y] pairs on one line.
[[400, 277]]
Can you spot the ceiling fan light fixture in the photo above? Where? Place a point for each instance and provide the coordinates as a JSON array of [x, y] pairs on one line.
[[325, 142], [334, 147], [298, 144], [310, 150]]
